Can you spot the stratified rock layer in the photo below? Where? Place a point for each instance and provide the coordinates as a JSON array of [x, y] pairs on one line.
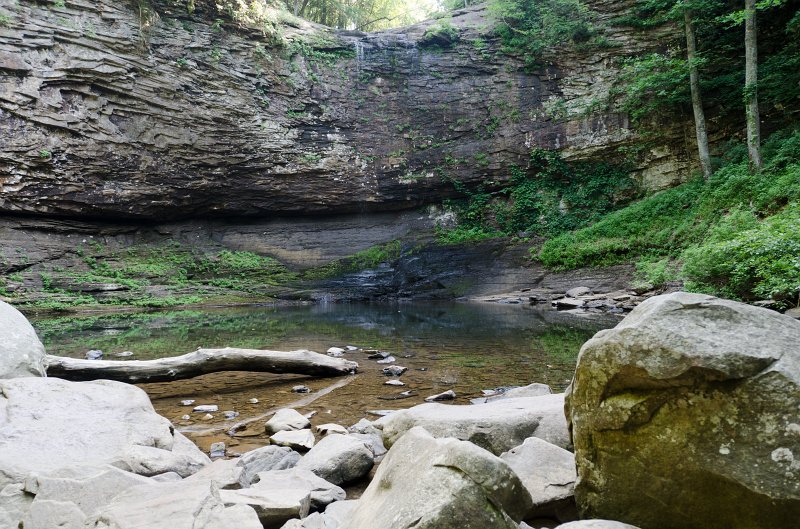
[[687, 415]]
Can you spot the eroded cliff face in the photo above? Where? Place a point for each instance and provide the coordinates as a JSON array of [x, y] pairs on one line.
[[109, 112]]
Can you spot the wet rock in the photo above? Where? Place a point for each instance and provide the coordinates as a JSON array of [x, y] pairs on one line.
[[188, 402], [568, 303], [230, 414], [440, 484], [578, 292], [447, 395], [596, 524], [394, 371], [497, 426], [21, 351], [198, 505], [394, 383], [531, 390], [301, 389], [104, 422], [387, 360], [217, 450], [286, 419], [295, 439], [265, 459], [320, 491], [329, 428], [694, 399], [548, 473], [339, 459], [206, 408], [336, 352], [94, 354]]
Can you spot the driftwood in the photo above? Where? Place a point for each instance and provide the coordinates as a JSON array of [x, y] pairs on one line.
[[198, 363]]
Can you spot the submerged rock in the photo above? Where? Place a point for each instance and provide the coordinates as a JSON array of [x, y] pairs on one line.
[[431, 483], [497, 426], [394, 371], [339, 459], [695, 400], [21, 351], [206, 408]]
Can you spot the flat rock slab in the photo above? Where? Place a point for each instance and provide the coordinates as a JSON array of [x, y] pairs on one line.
[[295, 439], [496, 426], [21, 352], [286, 419], [320, 491], [429, 483], [694, 400], [273, 506], [339, 459], [48, 423], [548, 472]]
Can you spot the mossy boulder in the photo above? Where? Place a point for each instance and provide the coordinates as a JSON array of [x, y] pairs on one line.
[[687, 416]]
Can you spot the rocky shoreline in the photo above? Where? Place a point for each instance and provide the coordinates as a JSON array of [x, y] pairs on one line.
[[687, 391]]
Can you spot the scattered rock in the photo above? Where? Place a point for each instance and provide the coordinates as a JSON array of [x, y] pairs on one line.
[[265, 459], [578, 292], [336, 352], [447, 395], [339, 459], [548, 472], [329, 428], [295, 439], [185, 417], [230, 414], [187, 402], [286, 419], [94, 354], [253, 401], [351, 348], [497, 426], [123, 354], [694, 399], [394, 371], [301, 389], [394, 382], [206, 408], [387, 360], [568, 303], [532, 390], [97, 423], [207, 417], [440, 484], [320, 491], [217, 450], [378, 355]]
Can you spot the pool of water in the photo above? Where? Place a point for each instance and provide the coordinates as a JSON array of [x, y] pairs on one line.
[[466, 347]]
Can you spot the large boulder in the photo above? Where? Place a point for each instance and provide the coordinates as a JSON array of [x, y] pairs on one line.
[[21, 352], [271, 457], [339, 459], [48, 423], [687, 415], [319, 491], [496, 426], [429, 483]]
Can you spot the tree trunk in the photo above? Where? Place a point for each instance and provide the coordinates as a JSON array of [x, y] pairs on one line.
[[200, 362], [751, 85], [697, 102]]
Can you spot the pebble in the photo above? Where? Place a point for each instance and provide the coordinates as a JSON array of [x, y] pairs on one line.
[[207, 417], [231, 414], [447, 395], [94, 354], [394, 382], [217, 450], [124, 354], [301, 389], [185, 417], [187, 402], [351, 348], [253, 401], [335, 351], [394, 371], [388, 360], [206, 407], [378, 354]]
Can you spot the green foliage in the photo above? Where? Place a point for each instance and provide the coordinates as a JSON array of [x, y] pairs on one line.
[[655, 272], [44, 154], [530, 28], [737, 235], [442, 34], [547, 198], [653, 83], [5, 20], [363, 260]]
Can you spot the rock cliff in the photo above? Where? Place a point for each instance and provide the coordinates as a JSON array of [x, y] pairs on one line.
[[139, 110]]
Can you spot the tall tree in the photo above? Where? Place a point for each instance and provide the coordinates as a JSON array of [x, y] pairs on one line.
[[697, 102], [751, 85]]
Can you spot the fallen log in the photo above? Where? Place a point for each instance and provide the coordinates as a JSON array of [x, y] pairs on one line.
[[200, 362]]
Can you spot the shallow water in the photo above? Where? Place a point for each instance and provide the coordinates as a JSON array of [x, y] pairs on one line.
[[465, 347]]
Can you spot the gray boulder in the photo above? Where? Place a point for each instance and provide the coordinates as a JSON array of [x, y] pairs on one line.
[[273, 506], [270, 457], [334, 516], [48, 423], [225, 473], [548, 472], [21, 351], [339, 459], [694, 400], [496, 426], [429, 483], [320, 491], [181, 505], [295, 439], [286, 419]]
